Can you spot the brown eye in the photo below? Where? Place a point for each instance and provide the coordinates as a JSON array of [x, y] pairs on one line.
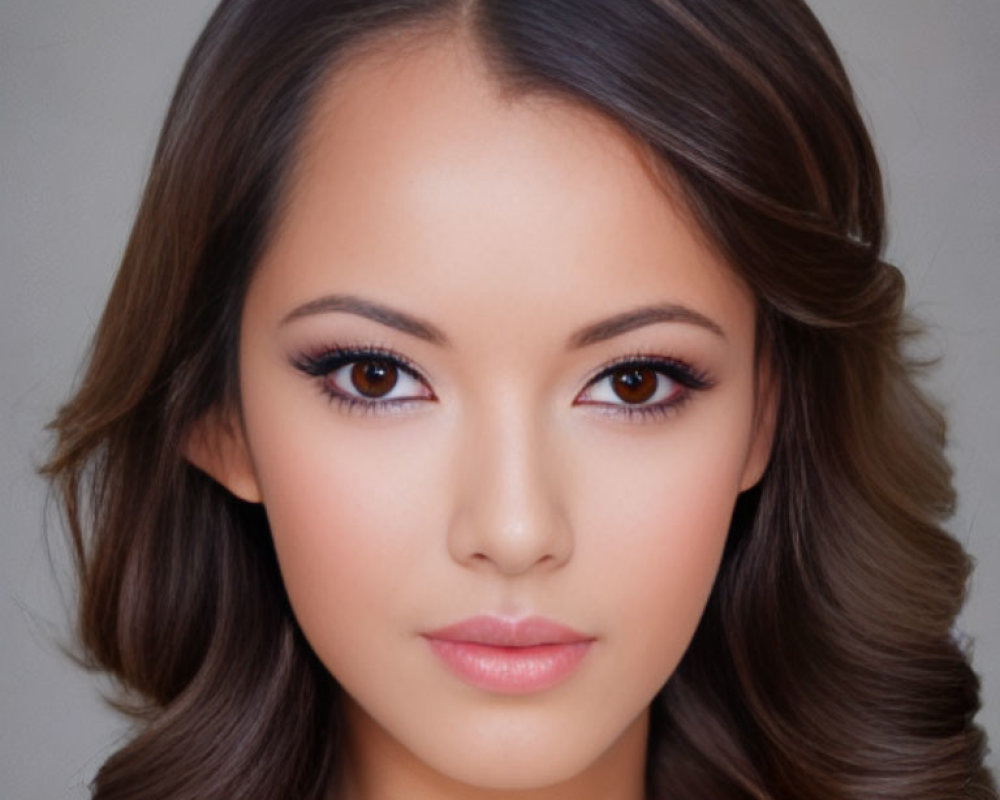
[[374, 378], [634, 384]]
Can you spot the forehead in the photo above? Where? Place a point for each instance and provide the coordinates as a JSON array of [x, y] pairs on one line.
[[415, 179]]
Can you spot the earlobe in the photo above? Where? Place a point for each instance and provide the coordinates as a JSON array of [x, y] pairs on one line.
[[216, 445], [765, 425]]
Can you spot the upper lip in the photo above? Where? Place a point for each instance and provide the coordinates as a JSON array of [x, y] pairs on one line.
[[504, 632]]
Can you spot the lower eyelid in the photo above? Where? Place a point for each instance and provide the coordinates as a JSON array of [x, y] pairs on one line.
[[640, 413], [355, 405]]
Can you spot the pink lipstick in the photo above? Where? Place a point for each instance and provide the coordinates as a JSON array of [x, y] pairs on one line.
[[510, 656]]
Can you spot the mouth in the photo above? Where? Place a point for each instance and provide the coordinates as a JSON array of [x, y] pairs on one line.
[[510, 656]]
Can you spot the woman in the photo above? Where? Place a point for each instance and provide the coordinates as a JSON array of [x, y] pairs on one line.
[[506, 399]]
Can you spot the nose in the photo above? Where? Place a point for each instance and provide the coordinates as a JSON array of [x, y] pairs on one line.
[[508, 515]]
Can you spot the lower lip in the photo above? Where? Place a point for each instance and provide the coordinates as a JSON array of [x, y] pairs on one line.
[[511, 670]]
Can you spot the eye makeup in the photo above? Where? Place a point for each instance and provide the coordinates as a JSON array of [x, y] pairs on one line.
[[328, 364], [635, 387], [643, 377]]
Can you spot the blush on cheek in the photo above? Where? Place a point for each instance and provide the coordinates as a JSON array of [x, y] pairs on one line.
[[676, 546], [659, 524], [342, 508]]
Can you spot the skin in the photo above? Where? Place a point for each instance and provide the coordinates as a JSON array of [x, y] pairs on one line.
[[513, 485]]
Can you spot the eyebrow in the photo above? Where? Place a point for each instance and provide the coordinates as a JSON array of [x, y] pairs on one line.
[[400, 320], [599, 331], [639, 318]]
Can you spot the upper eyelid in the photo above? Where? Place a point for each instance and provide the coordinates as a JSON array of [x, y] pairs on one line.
[[623, 361], [348, 355], [399, 360], [649, 360]]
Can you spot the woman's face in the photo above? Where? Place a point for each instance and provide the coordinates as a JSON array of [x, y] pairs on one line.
[[489, 369]]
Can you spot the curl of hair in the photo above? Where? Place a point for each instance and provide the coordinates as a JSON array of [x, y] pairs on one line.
[[825, 665]]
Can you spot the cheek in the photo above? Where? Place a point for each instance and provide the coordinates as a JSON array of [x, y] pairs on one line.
[[348, 516], [652, 524], [671, 533]]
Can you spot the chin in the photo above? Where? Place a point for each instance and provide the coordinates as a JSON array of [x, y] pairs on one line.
[[519, 755], [513, 768]]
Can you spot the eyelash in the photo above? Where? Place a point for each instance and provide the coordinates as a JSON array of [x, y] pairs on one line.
[[324, 363], [688, 379]]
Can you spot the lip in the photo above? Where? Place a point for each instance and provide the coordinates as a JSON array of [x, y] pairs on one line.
[[510, 656]]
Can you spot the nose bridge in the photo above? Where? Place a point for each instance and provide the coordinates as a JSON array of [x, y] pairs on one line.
[[509, 512]]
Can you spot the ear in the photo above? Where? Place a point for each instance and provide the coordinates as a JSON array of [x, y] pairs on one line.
[[216, 445], [766, 403]]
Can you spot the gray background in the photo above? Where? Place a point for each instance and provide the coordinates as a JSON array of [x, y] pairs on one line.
[[83, 88]]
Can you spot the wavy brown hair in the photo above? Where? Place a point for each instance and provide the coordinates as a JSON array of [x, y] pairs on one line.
[[825, 665]]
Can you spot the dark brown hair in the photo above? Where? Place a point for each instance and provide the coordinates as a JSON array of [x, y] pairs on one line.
[[825, 665]]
